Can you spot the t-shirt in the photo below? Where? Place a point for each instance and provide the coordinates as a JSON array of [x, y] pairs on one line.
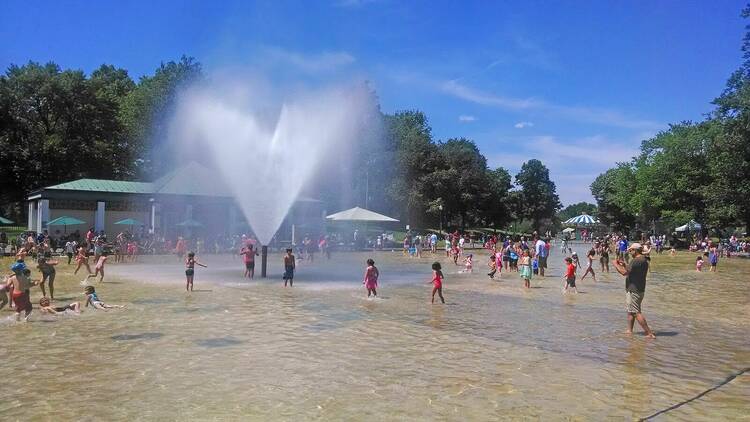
[[635, 281], [571, 271], [541, 248], [622, 245]]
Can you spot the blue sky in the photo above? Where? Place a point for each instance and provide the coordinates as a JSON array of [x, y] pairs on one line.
[[577, 84]]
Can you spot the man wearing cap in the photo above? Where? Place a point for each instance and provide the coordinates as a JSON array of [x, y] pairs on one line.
[[635, 287]]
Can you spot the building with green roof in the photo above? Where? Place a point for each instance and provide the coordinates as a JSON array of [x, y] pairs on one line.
[[190, 192]]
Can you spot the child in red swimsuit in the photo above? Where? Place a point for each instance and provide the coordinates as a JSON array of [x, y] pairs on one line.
[[437, 282]]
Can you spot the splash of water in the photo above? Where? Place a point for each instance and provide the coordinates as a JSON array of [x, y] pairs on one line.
[[266, 162]]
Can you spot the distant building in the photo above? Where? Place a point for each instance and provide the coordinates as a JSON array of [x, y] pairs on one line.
[[188, 194]]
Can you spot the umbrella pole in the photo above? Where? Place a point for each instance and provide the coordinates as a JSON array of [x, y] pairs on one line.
[[263, 260]]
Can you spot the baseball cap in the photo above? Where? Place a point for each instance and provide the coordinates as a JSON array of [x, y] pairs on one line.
[[635, 245]]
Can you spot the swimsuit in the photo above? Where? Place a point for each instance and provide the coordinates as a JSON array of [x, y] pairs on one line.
[[437, 281], [371, 278]]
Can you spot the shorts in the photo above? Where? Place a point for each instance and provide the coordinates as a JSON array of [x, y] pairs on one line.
[[64, 308], [250, 265], [22, 301], [542, 261], [189, 272], [288, 272], [633, 302], [570, 281]]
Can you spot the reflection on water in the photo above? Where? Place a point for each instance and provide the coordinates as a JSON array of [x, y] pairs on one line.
[[321, 350]]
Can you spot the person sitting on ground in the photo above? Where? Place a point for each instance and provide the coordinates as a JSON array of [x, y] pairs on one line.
[[46, 307]]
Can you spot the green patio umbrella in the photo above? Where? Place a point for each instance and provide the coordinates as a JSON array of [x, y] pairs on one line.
[[65, 221], [129, 222], [189, 223], [5, 221]]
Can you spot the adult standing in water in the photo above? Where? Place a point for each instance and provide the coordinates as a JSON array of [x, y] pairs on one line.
[[635, 287], [541, 254]]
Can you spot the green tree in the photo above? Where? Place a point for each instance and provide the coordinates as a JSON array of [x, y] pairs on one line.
[[538, 193], [728, 194], [612, 191], [416, 157], [144, 112], [55, 127]]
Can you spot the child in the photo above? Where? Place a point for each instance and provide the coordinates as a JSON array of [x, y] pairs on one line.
[[248, 257], [21, 284], [47, 267], [46, 308], [590, 265], [132, 250], [469, 263], [525, 268], [493, 266], [570, 276], [289, 265], [371, 278], [576, 262], [82, 259], [4, 287], [535, 266], [99, 268], [437, 282], [699, 264], [672, 252], [456, 252], [190, 263], [93, 299], [713, 258]]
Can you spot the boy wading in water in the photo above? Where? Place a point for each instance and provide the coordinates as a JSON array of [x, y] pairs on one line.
[[635, 287], [190, 263], [289, 264]]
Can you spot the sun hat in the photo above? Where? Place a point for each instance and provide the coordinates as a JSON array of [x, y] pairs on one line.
[[635, 246], [18, 267]]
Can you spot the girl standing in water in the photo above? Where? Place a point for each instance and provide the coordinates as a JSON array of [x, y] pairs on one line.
[[371, 278], [437, 282], [590, 265], [524, 265], [190, 264]]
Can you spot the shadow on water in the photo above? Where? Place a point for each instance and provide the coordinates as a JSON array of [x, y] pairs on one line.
[[666, 333], [218, 342], [139, 336]]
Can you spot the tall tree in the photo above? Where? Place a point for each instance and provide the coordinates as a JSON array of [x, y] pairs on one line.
[[416, 157], [145, 110], [538, 192]]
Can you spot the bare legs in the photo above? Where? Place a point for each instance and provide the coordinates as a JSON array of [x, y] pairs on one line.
[[439, 291], [642, 321]]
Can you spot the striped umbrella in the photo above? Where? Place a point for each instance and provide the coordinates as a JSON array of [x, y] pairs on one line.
[[582, 220]]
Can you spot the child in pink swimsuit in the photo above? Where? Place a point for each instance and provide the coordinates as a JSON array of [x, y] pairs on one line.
[[371, 278], [437, 282]]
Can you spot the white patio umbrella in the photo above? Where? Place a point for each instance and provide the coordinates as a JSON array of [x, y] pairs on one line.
[[581, 220], [359, 214], [691, 225]]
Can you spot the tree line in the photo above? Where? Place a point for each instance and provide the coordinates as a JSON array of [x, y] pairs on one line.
[[691, 171], [58, 125]]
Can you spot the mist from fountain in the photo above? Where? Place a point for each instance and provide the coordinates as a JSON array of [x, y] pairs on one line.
[[266, 154]]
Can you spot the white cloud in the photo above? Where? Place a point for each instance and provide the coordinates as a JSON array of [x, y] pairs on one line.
[[521, 125], [585, 114], [573, 164], [466, 118], [312, 63]]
